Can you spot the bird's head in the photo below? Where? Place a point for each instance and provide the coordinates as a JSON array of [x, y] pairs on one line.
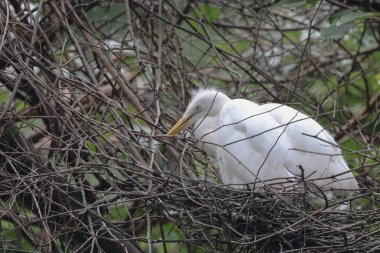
[[203, 104]]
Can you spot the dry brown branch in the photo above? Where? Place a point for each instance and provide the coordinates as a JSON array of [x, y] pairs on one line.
[[88, 90]]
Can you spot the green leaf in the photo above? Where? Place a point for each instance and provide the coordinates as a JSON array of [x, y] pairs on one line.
[[118, 214], [92, 180], [312, 2], [335, 32], [355, 16], [333, 18], [346, 16], [91, 146], [282, 2], [208, 11], [295, 35], [8, 231], [4, 96]]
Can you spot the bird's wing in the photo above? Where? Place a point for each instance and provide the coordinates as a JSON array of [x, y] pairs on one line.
[[253, 144], [312, 147]]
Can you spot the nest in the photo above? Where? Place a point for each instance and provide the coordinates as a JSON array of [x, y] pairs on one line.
[[205, 213]]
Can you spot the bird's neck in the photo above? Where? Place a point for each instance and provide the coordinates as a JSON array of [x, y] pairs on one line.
[[205, 130]]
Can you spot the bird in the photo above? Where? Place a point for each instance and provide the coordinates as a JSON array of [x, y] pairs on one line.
[[265, 144]]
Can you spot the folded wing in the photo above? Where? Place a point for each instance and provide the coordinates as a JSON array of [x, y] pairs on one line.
[[253, 144], [313, 148]]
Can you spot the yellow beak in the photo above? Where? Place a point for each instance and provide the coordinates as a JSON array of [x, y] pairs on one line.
[[180, 125]]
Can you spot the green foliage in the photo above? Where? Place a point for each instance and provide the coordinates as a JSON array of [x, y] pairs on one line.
[[198, 52], [92, 180], [110, 11], [286, 2], [209, 12], [346, 16], [8, 230], [118, 213], [342, 22], [4, 96], [10, 238], [164, 237], [336, 31], [91, 146]]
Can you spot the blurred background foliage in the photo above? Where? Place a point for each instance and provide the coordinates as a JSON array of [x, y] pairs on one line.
[[88, 90]]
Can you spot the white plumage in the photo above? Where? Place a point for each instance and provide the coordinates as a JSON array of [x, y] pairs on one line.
[[256, 143]]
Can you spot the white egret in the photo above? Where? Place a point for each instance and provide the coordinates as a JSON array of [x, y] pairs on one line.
[[264, 142]]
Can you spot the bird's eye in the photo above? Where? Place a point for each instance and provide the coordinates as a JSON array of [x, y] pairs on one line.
[[198, 107]]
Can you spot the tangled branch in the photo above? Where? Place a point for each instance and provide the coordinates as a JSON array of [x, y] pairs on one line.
[[89, 89]]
